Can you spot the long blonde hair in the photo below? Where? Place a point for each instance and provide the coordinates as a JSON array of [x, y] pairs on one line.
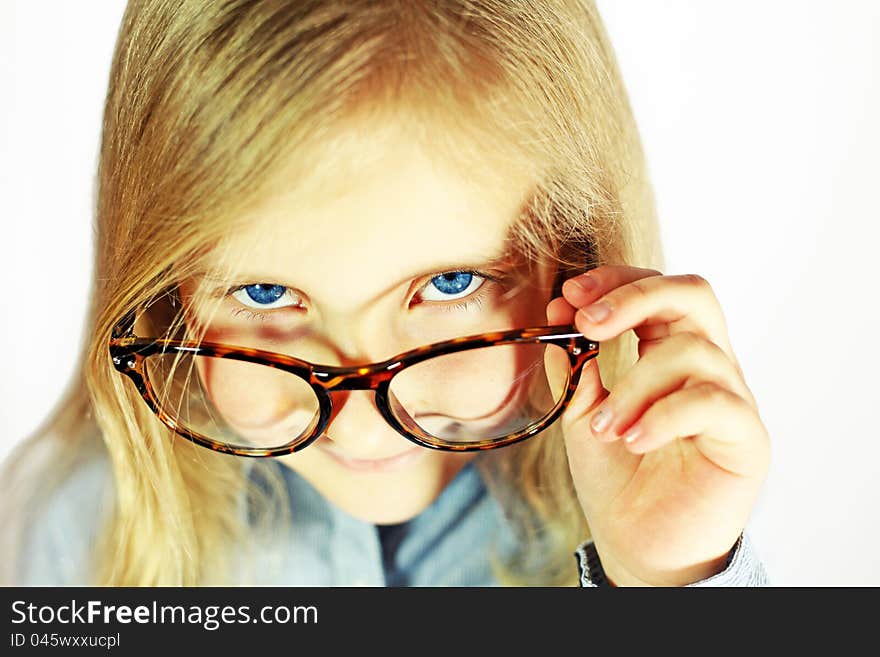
[[205, 102]]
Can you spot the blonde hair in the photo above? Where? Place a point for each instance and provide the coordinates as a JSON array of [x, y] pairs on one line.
[[205, 102]]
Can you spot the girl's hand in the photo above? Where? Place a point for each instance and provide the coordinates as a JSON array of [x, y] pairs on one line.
[[666, 507]]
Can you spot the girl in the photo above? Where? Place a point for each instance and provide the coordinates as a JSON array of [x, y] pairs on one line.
[[378, 301]]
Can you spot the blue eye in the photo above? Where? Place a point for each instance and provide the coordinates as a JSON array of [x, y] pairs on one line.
[[260, 295], [453, 285]]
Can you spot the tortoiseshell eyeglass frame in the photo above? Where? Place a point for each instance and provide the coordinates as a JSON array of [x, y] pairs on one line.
[[128, 353]]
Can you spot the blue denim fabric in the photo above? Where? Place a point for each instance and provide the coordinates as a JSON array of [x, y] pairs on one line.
[[447, 544], [444, 545]]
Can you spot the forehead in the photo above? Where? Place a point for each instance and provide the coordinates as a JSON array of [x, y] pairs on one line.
[[375, 206]]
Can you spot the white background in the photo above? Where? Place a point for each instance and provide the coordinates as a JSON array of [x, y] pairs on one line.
[[760, 124]]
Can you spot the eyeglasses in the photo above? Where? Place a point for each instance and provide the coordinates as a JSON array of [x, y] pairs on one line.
[[475, 392]]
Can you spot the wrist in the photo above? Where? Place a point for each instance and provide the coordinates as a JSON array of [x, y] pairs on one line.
[[618, 575]]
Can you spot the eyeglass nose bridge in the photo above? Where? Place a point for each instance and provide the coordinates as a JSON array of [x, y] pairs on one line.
[[371, 377], [376, 377]]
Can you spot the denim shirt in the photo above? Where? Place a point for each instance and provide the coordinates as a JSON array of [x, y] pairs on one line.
[[447, 544]]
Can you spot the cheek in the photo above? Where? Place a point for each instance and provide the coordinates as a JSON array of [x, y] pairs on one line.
[[484, 389], [239, 391], [259, 403], [464, 385]]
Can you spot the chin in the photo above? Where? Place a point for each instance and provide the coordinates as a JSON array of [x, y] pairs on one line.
[[379, 497]]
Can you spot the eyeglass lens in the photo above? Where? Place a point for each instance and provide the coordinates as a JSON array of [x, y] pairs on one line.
[[470, 396]]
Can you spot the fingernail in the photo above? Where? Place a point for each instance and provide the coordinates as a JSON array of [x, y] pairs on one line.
[[586, 282], [632, 435], [597, 311], [601, 420]]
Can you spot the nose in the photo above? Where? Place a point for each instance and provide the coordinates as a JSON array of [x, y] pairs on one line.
[[357, 429]]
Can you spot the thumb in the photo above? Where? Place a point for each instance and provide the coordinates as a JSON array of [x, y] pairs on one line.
[[590, 391], [599, 469], [588, 395]]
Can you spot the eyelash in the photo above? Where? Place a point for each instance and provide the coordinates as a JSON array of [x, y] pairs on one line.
[[475, 299], [248, 313], [461, 304]]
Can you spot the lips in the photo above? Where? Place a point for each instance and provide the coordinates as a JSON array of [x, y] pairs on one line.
[[376, 465]]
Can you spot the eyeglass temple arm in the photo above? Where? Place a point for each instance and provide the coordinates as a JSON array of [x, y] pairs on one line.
[[125, 326]]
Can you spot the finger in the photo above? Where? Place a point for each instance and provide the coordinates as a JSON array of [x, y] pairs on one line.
[[585, 288], [606, 278], [559, 311], [656, 307], [684, 359], [600, 468], [591, 286], [590, 390], [720, 424]]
